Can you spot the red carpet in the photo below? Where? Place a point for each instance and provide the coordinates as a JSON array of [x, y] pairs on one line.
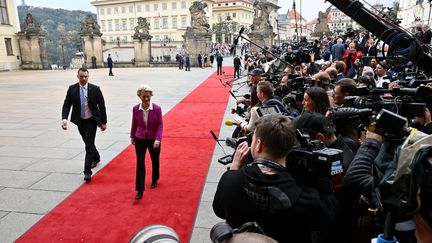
[[105, 210]]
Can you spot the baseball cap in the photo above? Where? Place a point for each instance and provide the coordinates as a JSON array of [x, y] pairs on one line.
[[314, 122], [256, 71]]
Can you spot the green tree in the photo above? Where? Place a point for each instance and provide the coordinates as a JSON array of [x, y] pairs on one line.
[[62, 31]]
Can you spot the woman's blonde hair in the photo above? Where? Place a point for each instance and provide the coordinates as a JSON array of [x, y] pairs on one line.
[[144, 88]]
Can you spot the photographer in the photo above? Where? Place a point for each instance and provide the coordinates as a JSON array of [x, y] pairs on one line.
[[265, 93], [264, 192], [342, 89], [315, 99], [318, 127], [254, 77]]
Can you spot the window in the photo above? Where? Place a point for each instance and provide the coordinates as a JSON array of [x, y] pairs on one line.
[[234, 15], [8, 43], [157, 38], [183, 5], [131, 9], [164, 6], [131, 24], [117, 24], [124, 24], [139, 8], [103, 27], [165, 22], [174, 22], [155, 7], [102, 11], [123, 9], [156, 23], [110, 27], [147, 8], [116, 11], [4, 18], [108, 11], [183, 21], [174, 5]]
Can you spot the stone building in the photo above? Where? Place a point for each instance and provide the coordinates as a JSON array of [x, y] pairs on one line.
[[414, 12], [239, 12], [168, 18], [9, 26]]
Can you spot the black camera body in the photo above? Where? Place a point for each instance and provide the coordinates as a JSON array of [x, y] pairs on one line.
[[312, 160], [234, 143]]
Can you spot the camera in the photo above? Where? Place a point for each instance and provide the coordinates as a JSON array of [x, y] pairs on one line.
[[312, 159], [233, 143], [223, 232]]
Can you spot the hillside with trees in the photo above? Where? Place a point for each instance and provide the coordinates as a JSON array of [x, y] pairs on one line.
[[62, 31]]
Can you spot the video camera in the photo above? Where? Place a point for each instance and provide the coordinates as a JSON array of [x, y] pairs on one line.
[[234, 143], [223, 232], [408, 102], [312, 159], [300, 53]]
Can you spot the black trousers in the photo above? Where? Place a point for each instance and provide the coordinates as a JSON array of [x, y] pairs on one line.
[[87, 129], [219, 69], [141, 146], [237, 71], [110, 72]]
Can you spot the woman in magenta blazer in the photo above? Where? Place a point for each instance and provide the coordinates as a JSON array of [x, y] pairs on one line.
[[146, 133]]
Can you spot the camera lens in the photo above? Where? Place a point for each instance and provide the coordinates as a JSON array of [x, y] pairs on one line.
[[220, 232]]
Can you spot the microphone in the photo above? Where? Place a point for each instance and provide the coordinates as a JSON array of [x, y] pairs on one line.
[[217, 141], [231, 123], [232, 94], [236, 39], [220, 80]]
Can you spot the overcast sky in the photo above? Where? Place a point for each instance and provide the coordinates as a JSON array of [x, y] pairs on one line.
[[309, 8]]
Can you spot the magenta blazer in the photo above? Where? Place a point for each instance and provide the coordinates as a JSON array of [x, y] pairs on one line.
[[154, 124]]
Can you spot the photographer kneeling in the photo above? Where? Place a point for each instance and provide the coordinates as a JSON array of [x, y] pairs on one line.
[[265, 192]]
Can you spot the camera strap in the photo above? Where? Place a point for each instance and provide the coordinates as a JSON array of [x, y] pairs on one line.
[[269, 163]]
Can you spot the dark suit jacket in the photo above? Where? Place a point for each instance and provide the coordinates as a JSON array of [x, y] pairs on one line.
[[96, 104]]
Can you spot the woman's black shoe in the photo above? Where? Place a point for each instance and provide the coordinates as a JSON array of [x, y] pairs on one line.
[[139, 195], [153, 185]]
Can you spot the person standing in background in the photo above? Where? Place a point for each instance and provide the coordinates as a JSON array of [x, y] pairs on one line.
[[199, 60], [187, 62], [146, 133], [110, 65], [88, 112], [219, 60], [237, 64]]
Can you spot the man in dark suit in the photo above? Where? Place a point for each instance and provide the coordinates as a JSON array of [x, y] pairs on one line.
[[88, 112], [110, 65], [237, 64]]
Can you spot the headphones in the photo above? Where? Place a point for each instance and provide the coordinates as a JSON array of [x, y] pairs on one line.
[[269, 163]]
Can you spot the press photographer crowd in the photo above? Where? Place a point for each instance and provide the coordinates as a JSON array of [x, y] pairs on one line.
[[331, 144]]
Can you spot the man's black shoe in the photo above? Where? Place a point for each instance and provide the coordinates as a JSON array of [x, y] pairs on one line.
[[87, 177], [139, 195], [153, 185], [94, 164]]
